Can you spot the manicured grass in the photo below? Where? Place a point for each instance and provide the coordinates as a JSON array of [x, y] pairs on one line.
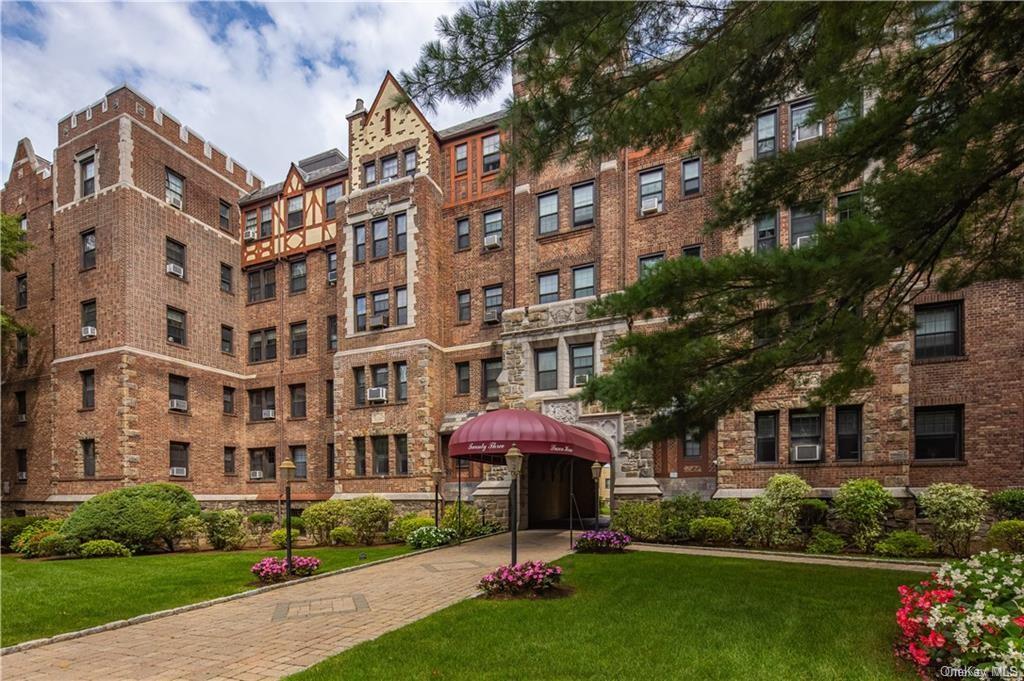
[[655, 616], [41, 598]]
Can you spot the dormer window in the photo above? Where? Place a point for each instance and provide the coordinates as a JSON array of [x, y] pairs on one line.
[[389, 168], [295, 212], [369, 174]]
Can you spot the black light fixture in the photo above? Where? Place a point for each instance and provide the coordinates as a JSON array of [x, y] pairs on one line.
[[514, 461], [437, 475], [288, 474], [595, 470]]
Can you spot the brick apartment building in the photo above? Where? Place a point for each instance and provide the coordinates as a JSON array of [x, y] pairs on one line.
[[194, 325]]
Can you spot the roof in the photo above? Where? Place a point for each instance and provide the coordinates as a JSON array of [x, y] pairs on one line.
[[312, 170], [471, 125]]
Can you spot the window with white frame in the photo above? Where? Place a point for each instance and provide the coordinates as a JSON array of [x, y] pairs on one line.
[[547, 287], [801, 124], [691, 177], [547, 213], [583, 204], [492, 153]]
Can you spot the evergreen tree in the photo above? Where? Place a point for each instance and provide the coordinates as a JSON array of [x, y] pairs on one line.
[[12, 245]]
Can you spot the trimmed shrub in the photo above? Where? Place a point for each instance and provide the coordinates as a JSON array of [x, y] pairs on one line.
[[279, 537], [730, 509], [103, 548], [343, 536], [1008, 535], [956, 512], [368, 516], [677, 514], [602, 541], [322, 517], [34, 542], [641, 520], [823, 541], [711, 530], [399, 529], [468, 526], [863, 504], [191, 530], [905, 544], [12, 526], [224, 530], [813, 512], [260, 524], [429, 537], [298, 522], [138, 517], [1008, 504], [771, 518]]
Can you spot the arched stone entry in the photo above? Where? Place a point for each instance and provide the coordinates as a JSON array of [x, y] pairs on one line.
[[552, 482]]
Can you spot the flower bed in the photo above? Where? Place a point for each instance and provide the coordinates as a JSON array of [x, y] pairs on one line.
[[271, 570], [969, 614], [532, 578], [603, 541]]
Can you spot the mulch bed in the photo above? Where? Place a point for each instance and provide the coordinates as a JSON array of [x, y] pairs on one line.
[[560, 591]]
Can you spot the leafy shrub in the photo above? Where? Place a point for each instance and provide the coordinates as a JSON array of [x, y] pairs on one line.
[[260, 525], [224, 530], [602, 541], [468, 526], [368, 516], [533, 577], [823, 541], [191, 530], [279, 537], [56, 544], [711, 530], [12, 526], [343, 536], [298, 523], [905, 544], [813, 512], [1008, 504], [730, 509], [863, 504], [322, 517], [33, 541], [956, 512], [429, 537], [677, 514], [399, 529], [639, 519], [771, 518], [103, 548], [1008, 535], [138, 516]]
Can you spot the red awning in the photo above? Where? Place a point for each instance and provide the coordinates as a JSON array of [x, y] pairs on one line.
[[487, 437]]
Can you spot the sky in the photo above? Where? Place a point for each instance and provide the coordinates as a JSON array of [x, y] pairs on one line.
[[268, 83]]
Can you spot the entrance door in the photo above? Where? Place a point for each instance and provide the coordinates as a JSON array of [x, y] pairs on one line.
[[548, 489]]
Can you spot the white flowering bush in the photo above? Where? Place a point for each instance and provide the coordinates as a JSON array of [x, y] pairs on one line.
[[956, 511]]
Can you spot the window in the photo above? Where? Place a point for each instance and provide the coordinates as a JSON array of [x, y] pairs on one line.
[[179, 459], [332, 266], [582, 358], [464, 306], [938, 330], [21, 399], [89, 249], [174, 188], [767, 131], [88, 388], [380, 454], [295, 212], [297, 399], [801, 124], [175, 253], [652, 187], [263, 462], [89, 313], [460, 158], [388, 168], [21, 291], [936, 21], [301, 463], [23, 224], [262, 284], [228, 400], [227, 339], [409, 161], [547, 287], [21, 350], [380, 238], [583, 204], [250, 221], [693, 251], [175, 326], [229, 461], [803, 222], [262, 345], [88, 458], [261, 404], [359, 454], [297, 339], [359, 239], [848, 113], [848, 433], [359, 381], [227, 278], [379, 375], [547, 213], [329, 397], [331, 196], [359, 305], [87, 172], [767, 231], [648, 263], [847, 206], [492, 223], [401, 381], [462, 234], [401, 306], [177, 389], [766, 434], [225, 216], [266, 222], [400, 233], [492, 153], [330, 460], [938, 432], [297, 276], [546, 365], [805, 430], [462, 378], [493, 301], [491, 371], [22, 458], [582, 281], [332, 332], [691, 177], [381, 303], [402, 454], [369, 174]]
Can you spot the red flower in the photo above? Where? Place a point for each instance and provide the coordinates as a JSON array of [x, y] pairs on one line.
[[1019, 621], [920, 655], [934, 639]]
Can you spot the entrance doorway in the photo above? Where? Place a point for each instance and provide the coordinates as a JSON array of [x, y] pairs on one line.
[[550, 480]]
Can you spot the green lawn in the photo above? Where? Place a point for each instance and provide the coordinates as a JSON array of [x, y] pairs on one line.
[[655, 616], [45, 597]]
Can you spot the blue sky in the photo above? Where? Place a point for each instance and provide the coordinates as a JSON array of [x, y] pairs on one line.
[[266, 82]]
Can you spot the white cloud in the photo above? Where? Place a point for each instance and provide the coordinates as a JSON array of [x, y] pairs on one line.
[[268, 84]]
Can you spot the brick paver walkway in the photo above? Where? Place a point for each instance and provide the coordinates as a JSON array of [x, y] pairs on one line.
[[273, 634]]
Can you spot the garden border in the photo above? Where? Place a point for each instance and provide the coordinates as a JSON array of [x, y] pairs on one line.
[[146, 617], [867, 562]]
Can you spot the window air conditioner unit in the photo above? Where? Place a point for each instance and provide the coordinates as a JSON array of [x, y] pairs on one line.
[[379, 321], [174, 201], [250, 234], [332, 276], [179, 405], [492, 316], [22, 418], [178, 471], [255, 475], [22, 475], [269, 413], [88, 332], [176, 269], [651, 204], [805, 240], [806, 453], [377, 395], [492, 242], [580, 380]]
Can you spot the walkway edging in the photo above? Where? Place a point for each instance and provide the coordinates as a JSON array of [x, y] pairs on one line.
[[788, 556]]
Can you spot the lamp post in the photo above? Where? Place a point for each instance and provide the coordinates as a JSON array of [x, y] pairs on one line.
[[288, 473], [514, 461], [595, 470], [437, 474]]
